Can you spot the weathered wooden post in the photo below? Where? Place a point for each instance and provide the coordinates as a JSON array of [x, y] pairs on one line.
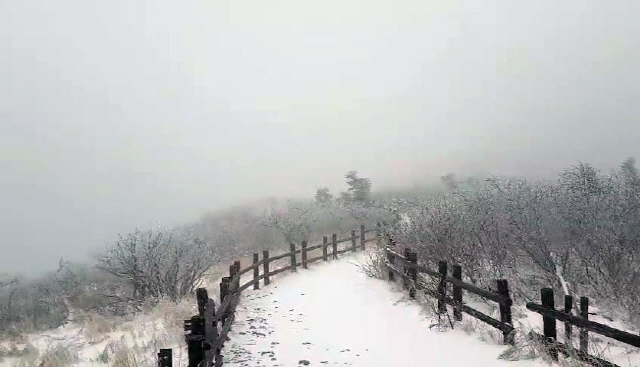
[[234, 282], [413, 274], [237, 265], [232, 279], [568, 329], [549, 323], [584, 334], [265, 266], [194, 337], [505, 311], [354, 245], [442, 287], [224, 288], [405, 269], [236, 269], [292, 247], [362, 237], [304, 254], [325, 243], [201, 298], [391, 259], [457, 294], [256, 271], [334, 244], [210, 333], [165, 358]]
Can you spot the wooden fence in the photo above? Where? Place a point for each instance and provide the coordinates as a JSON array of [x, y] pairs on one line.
[[206, 332], [553, 346], [408, 269]]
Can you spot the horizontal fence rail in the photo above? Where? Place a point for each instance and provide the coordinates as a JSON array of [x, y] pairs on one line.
[[206, 332], [550, 315], [410, 270], [405, 266]]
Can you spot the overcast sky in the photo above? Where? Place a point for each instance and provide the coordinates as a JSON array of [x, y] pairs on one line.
[[123, 113]]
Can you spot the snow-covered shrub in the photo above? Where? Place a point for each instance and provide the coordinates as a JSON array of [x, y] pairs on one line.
[[159, 263], [123, 356], [59, 355], [579, 234], [96, 326], [374, 263], [173, 314]]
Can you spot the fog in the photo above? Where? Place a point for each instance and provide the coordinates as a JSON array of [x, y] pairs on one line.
[[121, 114]]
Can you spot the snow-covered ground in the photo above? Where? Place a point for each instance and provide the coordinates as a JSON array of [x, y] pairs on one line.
[[329, 314], [333, 314], [130, 343]]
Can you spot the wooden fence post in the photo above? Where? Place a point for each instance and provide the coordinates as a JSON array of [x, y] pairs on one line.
[[232, 273], [224, 288], [584, 334], [353, 240], [256, 271], [549, 323], [405, 270], [224, 292], [292, 247], [505, 311], [304, 254], [210, 333], [234, 282], [392, 260], [568, 329], [442, 287], [165, 358], [413, 274], [334, 244], [194, 337], [362, 237], [265, 266], [201, 297], [457, 294], [325, 242], [236, 270]]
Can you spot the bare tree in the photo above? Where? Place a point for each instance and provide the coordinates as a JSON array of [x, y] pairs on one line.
[[295, 221], [579, 234], [159, 262]]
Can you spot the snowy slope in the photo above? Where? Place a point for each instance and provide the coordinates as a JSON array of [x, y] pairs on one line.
[[329, 314], [332, 314]]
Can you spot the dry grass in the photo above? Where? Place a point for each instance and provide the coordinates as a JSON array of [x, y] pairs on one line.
[[57, 355], [118, 354], [124, 357], [173, 314], [97, 327]]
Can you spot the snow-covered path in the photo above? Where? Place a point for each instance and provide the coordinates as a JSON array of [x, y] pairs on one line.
[[332, 314]]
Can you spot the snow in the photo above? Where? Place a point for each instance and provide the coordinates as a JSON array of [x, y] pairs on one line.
[[333, 314], [142, 336]]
